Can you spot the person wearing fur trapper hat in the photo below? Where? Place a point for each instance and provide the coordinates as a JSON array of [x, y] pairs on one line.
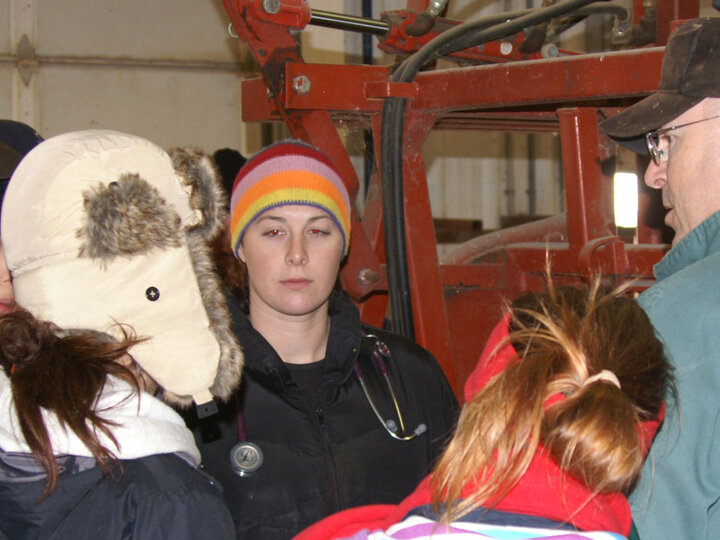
[[105, 235], [303, 440]]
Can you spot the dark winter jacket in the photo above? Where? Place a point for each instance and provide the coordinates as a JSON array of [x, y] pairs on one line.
[[329, 452], [159, 496]]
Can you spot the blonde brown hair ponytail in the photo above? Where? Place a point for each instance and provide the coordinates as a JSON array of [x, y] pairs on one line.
[[588, 372]]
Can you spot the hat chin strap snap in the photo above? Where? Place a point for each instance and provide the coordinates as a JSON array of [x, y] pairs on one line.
[[206, 409], [205, 404]]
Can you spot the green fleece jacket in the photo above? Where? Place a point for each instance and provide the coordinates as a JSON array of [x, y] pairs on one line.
[[680, 484]]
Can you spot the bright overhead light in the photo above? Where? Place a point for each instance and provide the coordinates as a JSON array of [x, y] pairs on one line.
[[626, 199]]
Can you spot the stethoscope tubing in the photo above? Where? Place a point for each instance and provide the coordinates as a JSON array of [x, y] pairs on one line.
[[246, 457], [379, 353]]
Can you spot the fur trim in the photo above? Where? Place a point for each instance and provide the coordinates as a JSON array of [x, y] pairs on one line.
[[230, 364], [231, 357], [198, 171], [127, 217]]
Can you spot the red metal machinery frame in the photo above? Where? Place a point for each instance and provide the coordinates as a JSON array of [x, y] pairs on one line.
[[456, 302]]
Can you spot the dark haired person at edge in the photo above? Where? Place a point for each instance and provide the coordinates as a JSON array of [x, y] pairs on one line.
[[229, 162], [303, 440], [16, 140], [119, 314], [18, 136], [679, 127], [560, 413]]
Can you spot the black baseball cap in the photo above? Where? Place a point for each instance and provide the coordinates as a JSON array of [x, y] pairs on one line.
[[690, 73]]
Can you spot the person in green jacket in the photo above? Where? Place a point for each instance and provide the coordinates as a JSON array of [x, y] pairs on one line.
[[679, 127]]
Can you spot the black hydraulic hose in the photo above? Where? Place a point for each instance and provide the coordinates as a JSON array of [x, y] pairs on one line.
[[367, 25], [623, 19], [473, 33], [351, 23], [619, 11], [457, 38], [393, 216]]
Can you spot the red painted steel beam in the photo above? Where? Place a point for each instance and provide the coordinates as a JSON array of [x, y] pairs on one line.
[[598, 77], [602, 76], [528, 255], [430, 320], [588, 198]]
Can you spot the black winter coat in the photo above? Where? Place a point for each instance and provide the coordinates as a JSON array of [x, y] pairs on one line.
[[334, 454], [154, 497]]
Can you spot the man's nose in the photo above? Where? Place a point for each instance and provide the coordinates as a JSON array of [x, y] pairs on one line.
[[655, 175]]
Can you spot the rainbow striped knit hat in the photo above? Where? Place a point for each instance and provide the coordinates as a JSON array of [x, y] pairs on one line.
[[288, 172]]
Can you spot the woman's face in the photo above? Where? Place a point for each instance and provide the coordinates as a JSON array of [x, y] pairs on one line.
[[7, 296], [293, 256]]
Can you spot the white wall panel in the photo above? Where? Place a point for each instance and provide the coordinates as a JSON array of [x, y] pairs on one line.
[[180, 29], [186, 95], [549, 198], [172, 108], [5, 43], [464, 174], [6, 73]]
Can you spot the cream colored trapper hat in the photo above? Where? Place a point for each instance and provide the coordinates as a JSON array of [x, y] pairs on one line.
[[103, 230]]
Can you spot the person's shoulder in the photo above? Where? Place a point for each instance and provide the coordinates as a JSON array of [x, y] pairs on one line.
[[705, 268], [150, 475], [692, 284], [154, 495], [409, 357], [176, 496], [397, 342]]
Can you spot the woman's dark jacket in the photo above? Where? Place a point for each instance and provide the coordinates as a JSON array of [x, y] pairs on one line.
[[158, 496], [332, 454]]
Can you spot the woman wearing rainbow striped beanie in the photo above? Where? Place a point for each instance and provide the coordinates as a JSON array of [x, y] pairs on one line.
[[316, 427]]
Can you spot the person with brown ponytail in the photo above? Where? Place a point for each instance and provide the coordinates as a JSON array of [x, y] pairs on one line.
[[119, 316], [560, 413]]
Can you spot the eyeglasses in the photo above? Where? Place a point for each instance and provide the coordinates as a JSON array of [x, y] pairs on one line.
[[658, 143]]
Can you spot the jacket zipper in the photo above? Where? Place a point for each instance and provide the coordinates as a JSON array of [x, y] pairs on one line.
[[320, 414]]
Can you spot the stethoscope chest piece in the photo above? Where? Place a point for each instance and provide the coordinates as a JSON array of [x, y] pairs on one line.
[[246, 458]]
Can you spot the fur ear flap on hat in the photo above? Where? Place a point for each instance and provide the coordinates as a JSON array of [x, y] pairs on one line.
[[127, 217], [198, 171]]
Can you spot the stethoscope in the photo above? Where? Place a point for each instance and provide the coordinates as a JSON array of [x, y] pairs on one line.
[[379, 354], [246, 457]]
